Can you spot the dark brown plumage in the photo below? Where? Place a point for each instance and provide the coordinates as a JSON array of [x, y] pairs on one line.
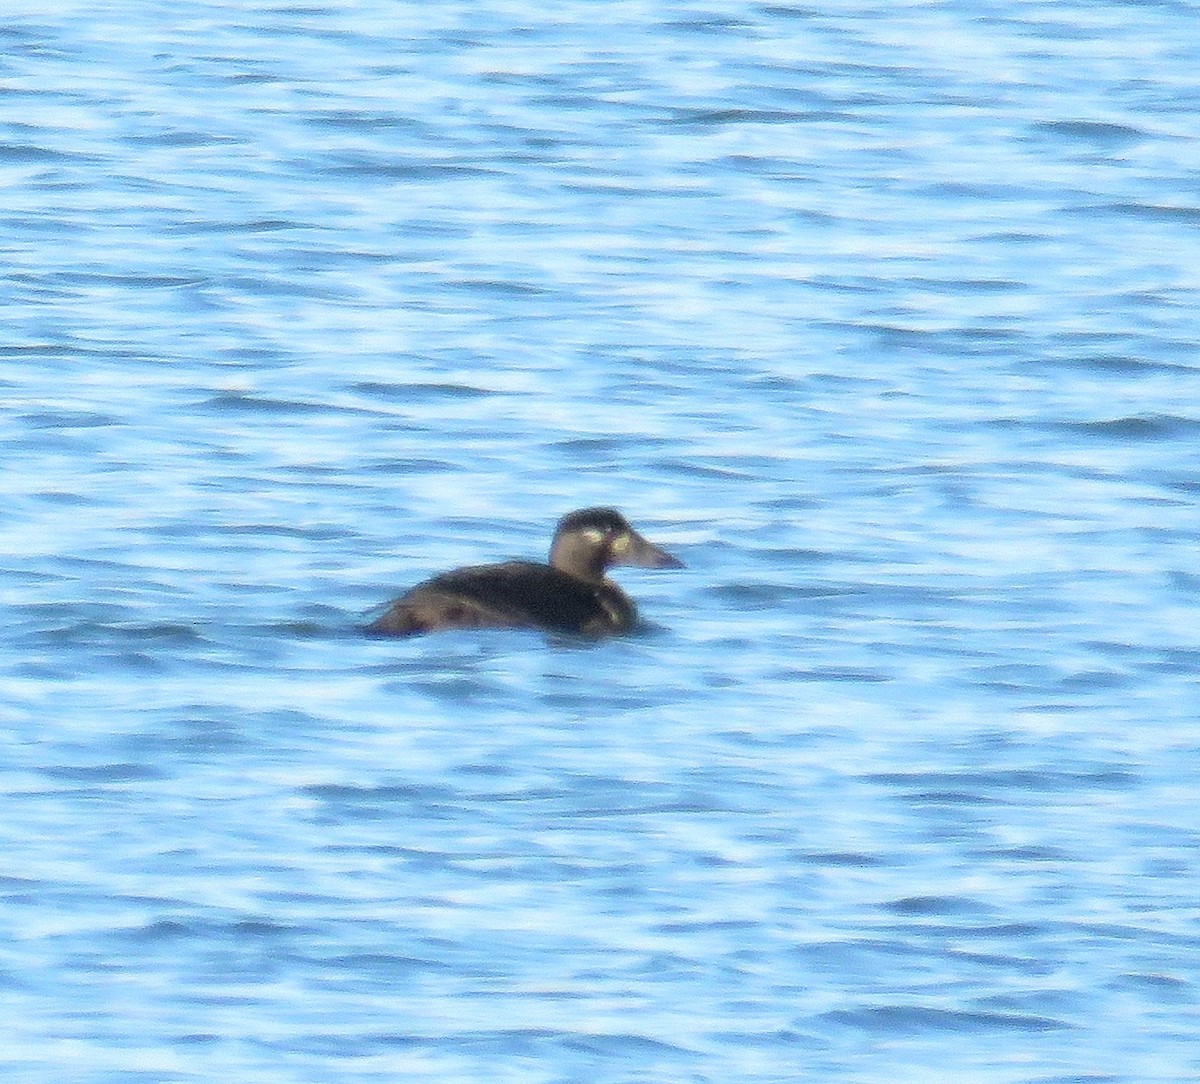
[[570, 594]]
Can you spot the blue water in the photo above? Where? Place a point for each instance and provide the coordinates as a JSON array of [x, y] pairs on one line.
[[884, 317]]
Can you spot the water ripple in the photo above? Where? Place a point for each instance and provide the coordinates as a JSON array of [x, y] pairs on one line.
[[884, 317]]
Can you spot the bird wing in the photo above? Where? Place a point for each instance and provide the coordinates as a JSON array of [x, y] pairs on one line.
[[516, 594]]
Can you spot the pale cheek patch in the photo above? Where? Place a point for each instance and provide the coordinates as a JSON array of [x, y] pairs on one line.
[[620, 544]]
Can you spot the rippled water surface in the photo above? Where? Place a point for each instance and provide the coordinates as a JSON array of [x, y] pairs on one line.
[[884, 318]]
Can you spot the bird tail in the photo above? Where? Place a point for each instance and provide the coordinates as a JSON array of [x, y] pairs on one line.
[[397, 621]]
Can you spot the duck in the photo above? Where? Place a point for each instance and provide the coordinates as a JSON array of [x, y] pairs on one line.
[[570, 594]]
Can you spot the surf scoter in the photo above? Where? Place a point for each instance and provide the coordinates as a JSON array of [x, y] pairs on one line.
[[570, 594]]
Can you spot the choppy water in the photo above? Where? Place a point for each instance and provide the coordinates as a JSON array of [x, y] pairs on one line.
[[883, 317]]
